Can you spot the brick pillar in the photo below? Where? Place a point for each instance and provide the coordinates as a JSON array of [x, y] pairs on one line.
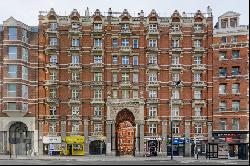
[[187, 139]]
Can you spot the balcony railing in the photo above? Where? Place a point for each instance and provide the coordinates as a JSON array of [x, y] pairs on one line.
[[75, 66], [153, 32], [75, 100], [75, 31], [153, 100], [155, 49], [153, 118], [51, 117], [97, 83], [176, 49], [199, 67], [176, 32], [51, 48], [74, 117], [199, 118], [199, 84], [52, 66], [125, 48], [97, 49], [198, 49], [50, 82], [176, 118], [199, 102], [153, 83], [97, 65], [125, 83], [177, 101], [74, 48], [97, 101], [52, 31], [51, 100], [97, 117], [176, 67], [153, 66], [75, 82]]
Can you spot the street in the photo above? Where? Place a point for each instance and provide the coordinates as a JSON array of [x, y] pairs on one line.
[[102, 160]]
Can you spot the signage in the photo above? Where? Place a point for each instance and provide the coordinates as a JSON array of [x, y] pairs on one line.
[[52, 140], [229, 139]]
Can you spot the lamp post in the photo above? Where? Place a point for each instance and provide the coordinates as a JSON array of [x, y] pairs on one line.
[[171, 121]]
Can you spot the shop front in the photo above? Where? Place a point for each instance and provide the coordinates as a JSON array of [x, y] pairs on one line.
[[97, 145], [74, 146], [51, 145], [178, 146], [152, 145]]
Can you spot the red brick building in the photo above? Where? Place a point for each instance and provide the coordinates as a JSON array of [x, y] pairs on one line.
[[231, 81], [92, 68], [18, 88]]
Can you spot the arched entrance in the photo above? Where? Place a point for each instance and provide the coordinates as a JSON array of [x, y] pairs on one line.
[[20, 138], [125, 133]]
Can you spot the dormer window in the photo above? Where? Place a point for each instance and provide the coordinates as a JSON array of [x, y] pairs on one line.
[[125, 27], [98, 26], [53, 26], [233, 22], [176, 27], [152, 26], [224, 23], [197, 27], [75, 25]]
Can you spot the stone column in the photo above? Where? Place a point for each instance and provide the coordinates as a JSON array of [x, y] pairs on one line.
[[141, 152], [137, 139], [113, 135], [164, 137], [86, 135], [209, 131], [40, 138], [35, 152], [187, 139]]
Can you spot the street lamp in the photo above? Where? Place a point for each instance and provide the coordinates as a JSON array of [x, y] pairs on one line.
[[171, 121]]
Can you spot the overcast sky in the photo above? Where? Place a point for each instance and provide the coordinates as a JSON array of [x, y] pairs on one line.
[[27, 10]]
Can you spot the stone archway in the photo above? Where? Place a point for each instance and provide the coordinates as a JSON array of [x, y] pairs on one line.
[[125, 133], [20, 137]]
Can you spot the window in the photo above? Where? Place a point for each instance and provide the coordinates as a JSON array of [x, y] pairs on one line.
[[125, 77], [75, 76], [53, 93], [97, 59], [223, 39], [97, 111], [11, 90], [176, 94], [25, 107], [115, 93], [53, 75], [97, 26], [152, 60], [235, 54], [125, 42], [223, 124], [197, 111], [52, 128], [135, 43], [98, 77], [224, 23], [152, 27], [152, 94], [24, 73], [175, 111], [176, 128], [115, 59], [197, 27], [198, 128], [234, 39], [235, 71], [235, 124], [175, 60], [175, 43], [97, 128], [197, 60], [12, 33], [98, 94], [75, 110], [152, 43], [135, 94], [222, 55], [12, 52], [53, 26], [115, 42], [152, 111], [222, 72], [125, 93], [75, 59], [75, 42], [75, 93], [175, 28], [153, 128], [135, 60], [135, 77], [222, 88], [12, 71], [197, 77], [125, 27], [197, 94], [152, 77], [175, 77], [25, 54], [222, 106], [125, 60], [53, 59], [75, 128], [98, 42], [197, 43], [235, 88], [75, 25], [52, 110], [115, 77], [53, 41], [25, 91], [233, 22], [235, 105], [11, 106]]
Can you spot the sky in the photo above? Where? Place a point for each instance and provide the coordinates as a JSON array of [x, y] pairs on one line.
[[27, 10]]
